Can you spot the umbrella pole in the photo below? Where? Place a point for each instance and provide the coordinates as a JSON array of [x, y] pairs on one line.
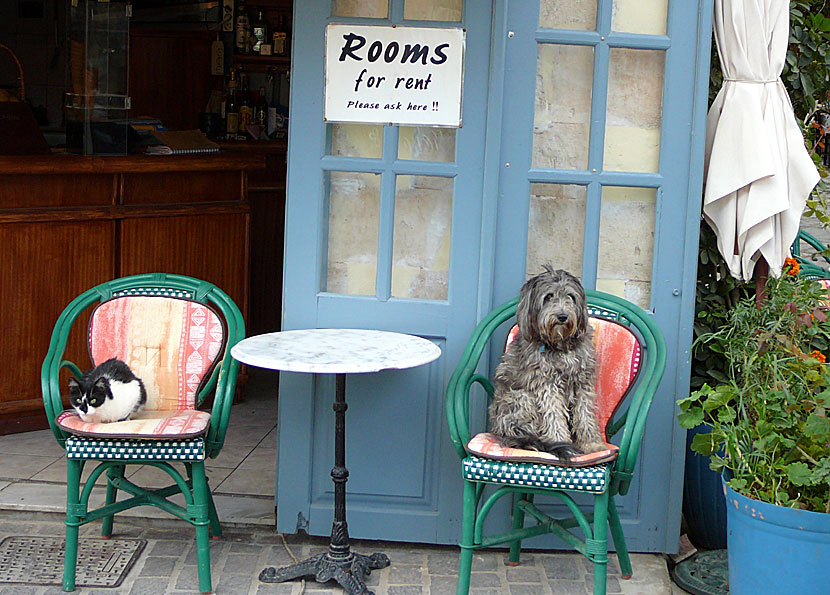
[[761, 276]]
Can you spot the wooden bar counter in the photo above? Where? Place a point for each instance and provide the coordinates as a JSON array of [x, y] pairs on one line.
[[69, 222]]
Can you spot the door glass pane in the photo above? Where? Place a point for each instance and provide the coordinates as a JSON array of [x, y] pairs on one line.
[[635, 110], [626, 243], [432, 10], [556, 227], [568, 14], [356, 140], [354, 204], [426, 143], [421, 244], [377, 9], [562, 120], [640, 16]]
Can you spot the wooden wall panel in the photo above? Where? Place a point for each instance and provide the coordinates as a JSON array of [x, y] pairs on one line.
[[56, 190], [45, 266], [213, 248], [182, 187]]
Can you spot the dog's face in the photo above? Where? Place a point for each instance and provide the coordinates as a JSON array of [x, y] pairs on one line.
[[552, 308]]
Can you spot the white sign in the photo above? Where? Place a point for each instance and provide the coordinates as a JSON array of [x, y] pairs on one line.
[[394, 75]]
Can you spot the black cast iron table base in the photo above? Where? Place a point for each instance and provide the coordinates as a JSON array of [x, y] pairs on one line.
[[350, 571], [339, 563]]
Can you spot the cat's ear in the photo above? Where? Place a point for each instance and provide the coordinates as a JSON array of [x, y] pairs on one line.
[[101, 383], [73, 383]]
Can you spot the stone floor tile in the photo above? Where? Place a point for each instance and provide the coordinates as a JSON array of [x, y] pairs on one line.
[[486, 580], [25, 466], [168, 547], [241, 564], [233, 584], [404, 590], [529, 590], [523, 574], [158, 566], [149, 586], [568, 588], [404, 575], [274, 588], [442, 564], [442, 585], [562, 568], [17, 590]]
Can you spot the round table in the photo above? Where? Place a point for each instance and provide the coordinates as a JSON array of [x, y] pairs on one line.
[[339, 352]]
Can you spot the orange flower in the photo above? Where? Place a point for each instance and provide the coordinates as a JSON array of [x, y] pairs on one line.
[[792, 263], [816, 354]]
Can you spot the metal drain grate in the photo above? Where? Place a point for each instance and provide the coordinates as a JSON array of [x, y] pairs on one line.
[[705, 573], [39, 560]]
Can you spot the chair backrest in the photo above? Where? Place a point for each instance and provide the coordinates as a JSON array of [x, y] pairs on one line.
[[173, 330], [632, 379], [171, 343]]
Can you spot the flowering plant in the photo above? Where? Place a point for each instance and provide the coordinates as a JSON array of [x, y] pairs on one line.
[[768, 420]]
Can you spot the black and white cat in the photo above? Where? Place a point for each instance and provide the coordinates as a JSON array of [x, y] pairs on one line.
[[108, 392]]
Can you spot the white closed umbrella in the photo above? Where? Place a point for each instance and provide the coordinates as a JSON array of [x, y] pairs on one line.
[[758, 173]]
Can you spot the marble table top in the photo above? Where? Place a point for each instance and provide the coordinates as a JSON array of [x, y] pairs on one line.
[[335, 351]]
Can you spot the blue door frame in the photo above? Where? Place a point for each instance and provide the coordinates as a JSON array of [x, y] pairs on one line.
[[421, 501]]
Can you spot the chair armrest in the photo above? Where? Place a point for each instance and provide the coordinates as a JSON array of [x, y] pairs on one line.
[[457, 399]]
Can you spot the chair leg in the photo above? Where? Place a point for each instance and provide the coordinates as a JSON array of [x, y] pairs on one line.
[[73, 521], [518, 523], [213, 517], [619, 539], [112, 493], [465, 564], [201, 521], [599, 547]]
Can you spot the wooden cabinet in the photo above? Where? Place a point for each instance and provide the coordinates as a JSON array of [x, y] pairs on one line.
[[68, 223]]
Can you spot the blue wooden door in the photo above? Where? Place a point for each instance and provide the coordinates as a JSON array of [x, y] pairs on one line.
[[602, 176], [383, 228], [581, 146]]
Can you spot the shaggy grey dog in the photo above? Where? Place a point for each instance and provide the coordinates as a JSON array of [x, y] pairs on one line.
[[544, 386]]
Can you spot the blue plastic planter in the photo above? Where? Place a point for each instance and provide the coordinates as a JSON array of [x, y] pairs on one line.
[[703, 506], [775, 550]]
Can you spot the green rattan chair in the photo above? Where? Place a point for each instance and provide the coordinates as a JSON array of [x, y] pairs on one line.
[[174, 332], [807, 267], [524, 481]]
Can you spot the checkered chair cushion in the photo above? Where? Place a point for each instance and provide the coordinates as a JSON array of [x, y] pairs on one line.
[[579, 479], [79, 447]]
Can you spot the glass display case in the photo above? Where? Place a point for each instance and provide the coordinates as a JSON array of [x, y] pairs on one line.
[[97, 103]]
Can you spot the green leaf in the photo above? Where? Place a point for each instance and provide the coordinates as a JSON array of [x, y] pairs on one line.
[[691, 418], [799, 474], [817, 427], [703, 444], [738, 485]]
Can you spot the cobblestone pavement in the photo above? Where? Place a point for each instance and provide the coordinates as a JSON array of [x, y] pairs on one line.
[[168, 564]]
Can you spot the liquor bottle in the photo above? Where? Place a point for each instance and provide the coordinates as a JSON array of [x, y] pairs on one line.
[[271, 118], [280, 38], [246, 110], [260, 32], [231, 110], [261, 113], [243, 29]]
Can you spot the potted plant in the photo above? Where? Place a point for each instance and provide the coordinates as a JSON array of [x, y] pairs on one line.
[[768, 433]]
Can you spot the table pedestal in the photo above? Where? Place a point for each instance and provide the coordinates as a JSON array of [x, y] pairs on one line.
[[339, 563]]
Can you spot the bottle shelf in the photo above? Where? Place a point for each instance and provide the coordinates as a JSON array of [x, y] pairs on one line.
[[255, 62]]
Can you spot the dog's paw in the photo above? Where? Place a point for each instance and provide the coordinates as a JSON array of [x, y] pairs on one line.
[[563, 450]]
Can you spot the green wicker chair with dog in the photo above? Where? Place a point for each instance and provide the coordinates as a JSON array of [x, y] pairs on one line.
[[631, 355], [175, 333]]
